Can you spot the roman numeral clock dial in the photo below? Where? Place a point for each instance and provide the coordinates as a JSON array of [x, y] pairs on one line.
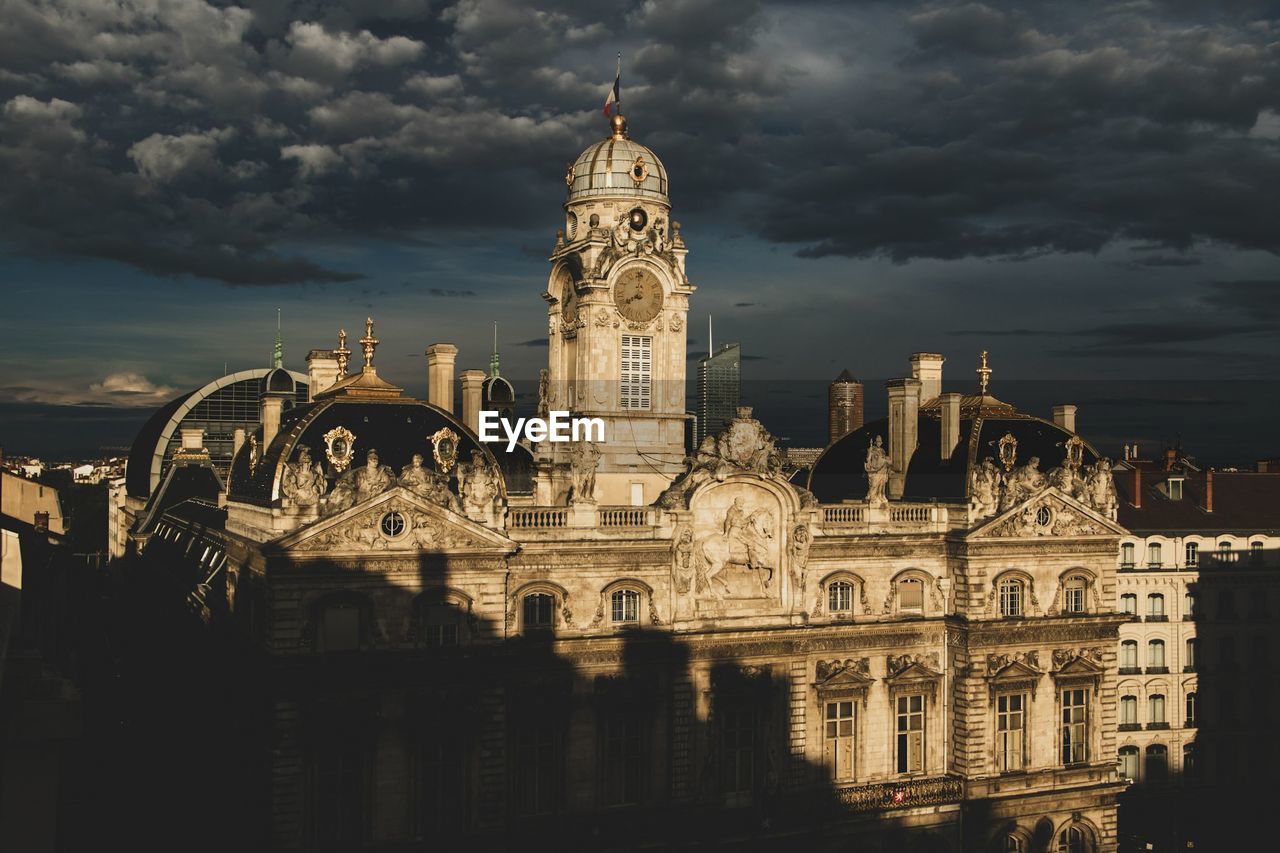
[[638, 294]]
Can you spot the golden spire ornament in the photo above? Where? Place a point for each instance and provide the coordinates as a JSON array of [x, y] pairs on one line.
[[342, 354], [368, 343], [984, 375]]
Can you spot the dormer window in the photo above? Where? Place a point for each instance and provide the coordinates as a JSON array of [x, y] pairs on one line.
[[1175, 488]]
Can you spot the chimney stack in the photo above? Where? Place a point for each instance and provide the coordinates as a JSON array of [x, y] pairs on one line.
[[1208, 490], [1065, 417], [440, 359], [322, 371], [927, 368], [472, 380], [1137, 488], [904, 407], [950, 424], [1170, 457]]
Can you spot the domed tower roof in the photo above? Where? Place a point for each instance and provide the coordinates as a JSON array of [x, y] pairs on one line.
[[279, 381], [617, 166]]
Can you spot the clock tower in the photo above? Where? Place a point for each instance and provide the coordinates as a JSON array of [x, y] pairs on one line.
[[618, 308]]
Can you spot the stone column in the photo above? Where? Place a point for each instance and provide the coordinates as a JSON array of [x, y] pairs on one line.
[[471, 402]]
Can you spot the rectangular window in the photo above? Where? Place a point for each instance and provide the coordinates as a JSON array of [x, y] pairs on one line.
[[1075, 731], [1153, 555], [838, 740], [910, 734], [441, 780], [1129, 604], [637, 371], [1175, 490], [910, 596], [1193, 554], [623, 760], [338, 800], [637, 494], [739, 731], [535, 768], [1155, 705], [1010, 731], [340, 626]]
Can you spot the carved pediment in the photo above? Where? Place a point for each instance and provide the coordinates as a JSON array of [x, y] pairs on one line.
[[907, 669], [1049, 513], [1014, 666], [851, 674], [395, 521], [1078, 663]]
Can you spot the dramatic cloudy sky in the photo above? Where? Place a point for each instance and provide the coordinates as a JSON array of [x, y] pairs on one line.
[[1089, 190]]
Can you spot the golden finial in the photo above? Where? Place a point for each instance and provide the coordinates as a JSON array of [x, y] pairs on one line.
[[368, 343], [618, 124], [342, 354], [984, 375]]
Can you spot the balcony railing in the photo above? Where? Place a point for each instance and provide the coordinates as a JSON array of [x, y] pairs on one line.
[[836, 515], [896, 517], [906, 794], [623, 516], [525, 518]]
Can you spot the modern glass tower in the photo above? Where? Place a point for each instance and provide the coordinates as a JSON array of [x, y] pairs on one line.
[[719, 387]]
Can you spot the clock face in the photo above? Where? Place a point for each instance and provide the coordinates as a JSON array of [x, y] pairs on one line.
[[638, 294]]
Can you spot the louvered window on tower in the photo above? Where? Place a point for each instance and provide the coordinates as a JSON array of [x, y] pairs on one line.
[[637, 371]]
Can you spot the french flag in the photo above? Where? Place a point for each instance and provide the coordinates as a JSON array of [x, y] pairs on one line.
[[614, 99]]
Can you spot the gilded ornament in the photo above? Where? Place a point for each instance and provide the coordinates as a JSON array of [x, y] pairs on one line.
[[339, 447]]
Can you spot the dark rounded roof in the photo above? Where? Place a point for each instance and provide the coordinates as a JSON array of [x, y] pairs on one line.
[[838, 474], [498, 390], [279, 380], [397, 428], [146, 455], [137, 471]]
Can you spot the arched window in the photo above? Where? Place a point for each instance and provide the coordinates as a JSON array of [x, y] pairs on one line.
[[1011, 843], [1153, 555], [624, 606], [1073, 840], [1224, 552], [1156, 767], [539, 611], [910, 596], [1155, 607], [1129, 762], [1127, 555], [1129, 655], [1012, 594], [1193, 554], [1191, 655], [840, 598], [1191, 709], [1256, 555], [1189, 604], [1129, 711], [1073, 594], [1129, 604], [1155, 654], [1155, 709]]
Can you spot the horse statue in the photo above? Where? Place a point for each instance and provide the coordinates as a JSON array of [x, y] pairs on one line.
[[745, 542]]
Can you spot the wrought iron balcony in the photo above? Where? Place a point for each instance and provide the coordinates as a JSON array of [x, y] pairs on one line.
[[908, 793]]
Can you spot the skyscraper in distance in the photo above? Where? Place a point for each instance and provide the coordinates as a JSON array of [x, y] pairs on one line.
[[844, 406], [719, 387]]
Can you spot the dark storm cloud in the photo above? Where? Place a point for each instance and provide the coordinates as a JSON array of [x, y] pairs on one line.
[[1259, 299], [451, 294], [236, 143]]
